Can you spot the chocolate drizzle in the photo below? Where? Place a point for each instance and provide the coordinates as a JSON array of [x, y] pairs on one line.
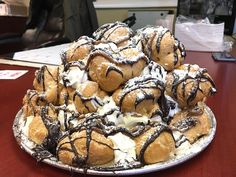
[[105, 31], [159, 128], [53, 128], [185, 124], [41, 153], [94, 99], [181, 139], [200, 77], [113, 68], [140, 83], [116, 57], [160, 35]]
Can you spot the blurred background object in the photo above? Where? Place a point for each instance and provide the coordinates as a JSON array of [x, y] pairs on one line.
[[218, 11], [49, 22]]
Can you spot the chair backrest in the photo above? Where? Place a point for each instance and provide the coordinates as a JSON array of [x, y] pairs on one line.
[[58, 21]]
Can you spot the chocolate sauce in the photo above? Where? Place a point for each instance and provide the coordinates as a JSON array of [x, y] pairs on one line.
[[112, 68], [94, 99], [53, 128], [201, 76], [142, 83], [159, 129], [160, 35], [108, 29], [41, 153], [145, 96], [185, 124], [180, 141]]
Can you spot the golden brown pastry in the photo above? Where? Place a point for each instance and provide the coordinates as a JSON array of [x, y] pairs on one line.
[[44, 128], [110, 68], [88, 97], [155, 145], [83, 148], [37, 131], [193, 123], [140, 95], [160, 45], [189, 84], [32, 103], [118, 33], [78, 50], [66, 96], [46, 82]]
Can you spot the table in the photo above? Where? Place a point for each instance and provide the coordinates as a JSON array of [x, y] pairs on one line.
[[218, 160]]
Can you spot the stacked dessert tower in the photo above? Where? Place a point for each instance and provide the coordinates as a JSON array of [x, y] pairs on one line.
[[119, 100]]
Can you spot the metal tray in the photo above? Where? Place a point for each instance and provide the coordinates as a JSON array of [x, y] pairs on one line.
[[196, 148]]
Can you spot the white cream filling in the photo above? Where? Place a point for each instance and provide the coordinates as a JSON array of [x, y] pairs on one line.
[[124, 148], [184, 147], [62, 118], [75, 76], [110, 45], [155, 71], [172, 112], [131, 120], [71, 107]]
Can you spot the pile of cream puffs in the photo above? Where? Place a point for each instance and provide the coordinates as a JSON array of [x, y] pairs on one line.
[[121, 99]]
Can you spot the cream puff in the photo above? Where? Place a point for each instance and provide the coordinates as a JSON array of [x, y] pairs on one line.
[[118, 33], [155, 145], [160, 45], [85, 147], [110, 69], [189, 84]]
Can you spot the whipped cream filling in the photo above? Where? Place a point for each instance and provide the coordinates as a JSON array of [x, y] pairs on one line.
[[71, 107], [155, 70], [64, 119], [173, 109], [109, 45], [183, 73], [107, 107], [124, 148], [74, 77], [182, 144]]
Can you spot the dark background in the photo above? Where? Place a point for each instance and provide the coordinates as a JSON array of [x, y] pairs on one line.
[[216, 10]]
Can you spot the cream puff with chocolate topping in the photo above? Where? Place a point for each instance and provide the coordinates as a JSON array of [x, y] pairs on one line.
[[88, 97], [78, 50], [140, 95], [46, 82], [156, 144], [110, 68], [192, 123], [160, 45], [189, 84], [43, 129], [118, 33], [85, 148], [32, 103]]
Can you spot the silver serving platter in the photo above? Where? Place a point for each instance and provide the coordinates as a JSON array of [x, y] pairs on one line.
[[196, 148]]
